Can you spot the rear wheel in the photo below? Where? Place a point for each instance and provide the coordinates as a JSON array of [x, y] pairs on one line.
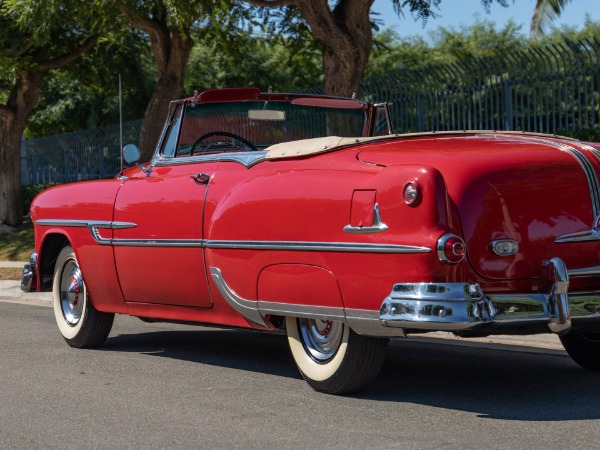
[[79, 322], [331, 357], [584, 348]]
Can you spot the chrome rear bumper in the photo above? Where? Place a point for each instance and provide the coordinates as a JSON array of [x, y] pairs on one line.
[[464, 306]]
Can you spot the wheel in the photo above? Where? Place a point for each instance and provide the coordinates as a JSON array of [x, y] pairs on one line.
[[246, 142], [331, 357], [584, 348], [79, 322]]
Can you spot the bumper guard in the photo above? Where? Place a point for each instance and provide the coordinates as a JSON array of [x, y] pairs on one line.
[[29, 271]]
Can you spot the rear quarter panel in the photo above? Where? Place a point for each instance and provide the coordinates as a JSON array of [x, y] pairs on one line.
[[310, 200]]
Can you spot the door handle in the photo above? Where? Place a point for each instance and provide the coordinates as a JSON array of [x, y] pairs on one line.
[[200, 178]]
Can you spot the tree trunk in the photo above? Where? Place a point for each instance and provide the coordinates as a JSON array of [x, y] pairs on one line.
[[13, 118], [346, 36], [171, 52], [343, 70]]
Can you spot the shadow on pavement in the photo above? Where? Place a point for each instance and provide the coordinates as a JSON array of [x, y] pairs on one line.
[[241, 350], [490, 382]]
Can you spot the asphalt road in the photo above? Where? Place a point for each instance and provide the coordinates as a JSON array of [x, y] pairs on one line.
[[173, 386]]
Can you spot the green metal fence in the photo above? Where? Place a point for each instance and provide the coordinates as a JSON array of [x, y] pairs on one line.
[[549, 89], [82, 155]]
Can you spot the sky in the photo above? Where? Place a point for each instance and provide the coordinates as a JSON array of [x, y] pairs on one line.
[[464, 12]]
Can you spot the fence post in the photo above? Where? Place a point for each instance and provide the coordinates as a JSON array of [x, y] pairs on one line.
[[420, 113], [508, 106], [23, 155]]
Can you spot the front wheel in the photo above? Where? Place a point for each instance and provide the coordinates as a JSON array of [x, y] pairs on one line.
[[331, 357], [584, 348], [79, 322]]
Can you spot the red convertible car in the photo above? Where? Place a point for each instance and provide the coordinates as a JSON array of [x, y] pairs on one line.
[[256, 213]]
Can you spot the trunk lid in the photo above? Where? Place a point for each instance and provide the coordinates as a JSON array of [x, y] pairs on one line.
[[531, 189]]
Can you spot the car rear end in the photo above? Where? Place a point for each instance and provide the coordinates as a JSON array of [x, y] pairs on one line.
[[524, 257]]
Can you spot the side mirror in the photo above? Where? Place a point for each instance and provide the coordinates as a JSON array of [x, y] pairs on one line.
[[131, 154]]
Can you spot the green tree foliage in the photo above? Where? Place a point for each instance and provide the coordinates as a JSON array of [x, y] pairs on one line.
[[343, 29], [84, 94], [445, 45], [249, 60], [35, 38], [480, 40], [169, 25], [590, 30]]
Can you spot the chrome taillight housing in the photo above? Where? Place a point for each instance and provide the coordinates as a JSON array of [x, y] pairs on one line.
[[451, 248], [410, 193]]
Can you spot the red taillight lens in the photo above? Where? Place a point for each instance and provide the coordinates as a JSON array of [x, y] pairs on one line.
[[451, 249]]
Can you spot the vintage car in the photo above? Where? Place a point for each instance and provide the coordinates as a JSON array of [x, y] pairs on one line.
[[306, 215]]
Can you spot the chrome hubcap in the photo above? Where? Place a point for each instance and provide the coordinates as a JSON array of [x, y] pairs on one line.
[[321, 338], [72, 293]]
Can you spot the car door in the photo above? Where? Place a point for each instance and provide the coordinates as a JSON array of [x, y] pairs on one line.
[[159, 258]]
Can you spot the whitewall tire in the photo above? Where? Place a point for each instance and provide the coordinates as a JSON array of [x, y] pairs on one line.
[[331, 357], [80, 324]]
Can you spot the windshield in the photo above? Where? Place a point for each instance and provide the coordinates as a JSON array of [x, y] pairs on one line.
[[255, 125]]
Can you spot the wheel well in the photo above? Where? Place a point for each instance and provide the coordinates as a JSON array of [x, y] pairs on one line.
[[52, 246]]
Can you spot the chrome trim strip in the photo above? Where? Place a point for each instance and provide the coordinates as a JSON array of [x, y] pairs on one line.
[[584, 272], [246, 159], [95, 231], [589, 148], [315, 246], [84, 223], [588, 168], [366, 322], [581, 236], [295, 310], [94, 227], [361, 321], [377, 227], [247, 308], [183, 243], [65, 223], [592, 179]]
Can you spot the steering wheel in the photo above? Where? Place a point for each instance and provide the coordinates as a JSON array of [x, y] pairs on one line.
[[222, 133]]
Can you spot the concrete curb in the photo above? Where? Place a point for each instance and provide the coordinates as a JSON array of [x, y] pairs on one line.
[[11, 264], [10, 291], [548, 342]]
